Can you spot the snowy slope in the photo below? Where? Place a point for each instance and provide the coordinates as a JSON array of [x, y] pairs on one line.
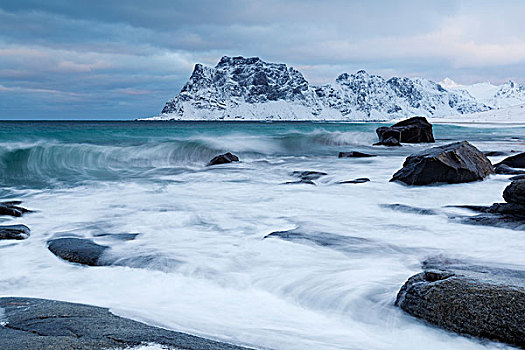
[[495, 96], [239, 88]]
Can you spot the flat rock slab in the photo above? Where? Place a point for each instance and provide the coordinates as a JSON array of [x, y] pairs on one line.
[[77, 250], [17, 232], [29, 324], [308, 174], [469, 299], [516, 161], [360, 180]]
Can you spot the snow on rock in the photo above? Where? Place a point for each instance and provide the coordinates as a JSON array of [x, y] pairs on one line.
[[239, 88]]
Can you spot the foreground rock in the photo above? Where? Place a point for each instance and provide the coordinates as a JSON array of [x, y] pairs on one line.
[[453, 163], [29, 324], [13, 209], [17, 232], [479, 301], [355, 154], [224, 159], [78, 250], [413, 130]]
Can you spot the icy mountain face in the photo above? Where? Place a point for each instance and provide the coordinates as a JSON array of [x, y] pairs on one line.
[[495, 96], [239, 88]]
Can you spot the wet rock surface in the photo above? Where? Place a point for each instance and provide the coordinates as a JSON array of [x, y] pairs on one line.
[[453, 163], [17, 232], [390, 142], [355, 154], [308, 175], [504, 169], [412, 130], [356, 181], [78, 250], [468, 299], [515, 192], [13, 208], [223, 159], [29, 324], [516, 161]]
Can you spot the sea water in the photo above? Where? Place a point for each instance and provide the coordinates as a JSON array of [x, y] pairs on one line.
[[201, 263]]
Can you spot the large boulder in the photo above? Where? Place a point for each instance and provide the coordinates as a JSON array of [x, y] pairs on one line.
[[77, 250], [516, 161], [224, 159], [453, 163], [515, 192], [469, 299], [413, 130], [17, 232], [28, 324]]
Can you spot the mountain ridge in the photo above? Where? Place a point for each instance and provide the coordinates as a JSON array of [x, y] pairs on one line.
[[239, 88]]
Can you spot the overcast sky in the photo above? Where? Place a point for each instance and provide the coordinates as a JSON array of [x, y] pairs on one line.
[[63, 59]]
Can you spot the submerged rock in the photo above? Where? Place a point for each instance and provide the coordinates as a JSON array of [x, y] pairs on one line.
[[516, 161], [29, 324], [482, 302], [504, 169], [17, 232], [453, 163], [12, 208], [77, 250], [412, 130], [355, 154], [224, 159], [494, 153], [308, 175], [356, 181]]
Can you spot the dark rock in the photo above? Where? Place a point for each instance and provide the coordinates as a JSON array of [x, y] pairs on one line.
[[482, 302], [307, 182], [308, 175], [49, 325], [508, 209], [516, 161], [12, 209], [412, 130], [518, 177], [356, 181], [453, 163], [391, 141], [515, 192], [224, 159], [118, 236], [77, 250], [14, 232], [504, 169], [355, 154], [494, 153]]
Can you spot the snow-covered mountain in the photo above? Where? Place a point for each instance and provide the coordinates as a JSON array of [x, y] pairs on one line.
[[495, 96], [239, 88]]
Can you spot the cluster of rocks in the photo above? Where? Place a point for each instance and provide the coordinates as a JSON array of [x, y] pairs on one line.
[[16, 232], [508, 165]]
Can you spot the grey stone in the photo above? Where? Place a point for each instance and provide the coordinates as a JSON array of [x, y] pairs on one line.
[[453, 163], [30, 324], [355, 154], [516, 161], [515, 192], [412, 130], [474, 300], [17, 232], [77, 250]]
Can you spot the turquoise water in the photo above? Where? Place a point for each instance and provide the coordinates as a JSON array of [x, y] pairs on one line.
[[200, 263]]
